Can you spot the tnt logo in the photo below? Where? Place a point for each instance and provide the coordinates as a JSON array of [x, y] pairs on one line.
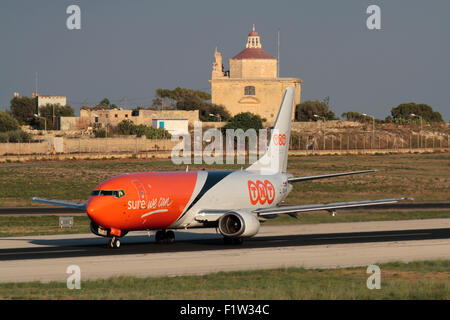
[[261, 191], [279, 139]]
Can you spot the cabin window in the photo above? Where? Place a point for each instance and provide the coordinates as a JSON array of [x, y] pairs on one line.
[[114, 193]]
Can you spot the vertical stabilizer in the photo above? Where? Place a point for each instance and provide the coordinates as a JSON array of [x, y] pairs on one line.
[[275, 158]]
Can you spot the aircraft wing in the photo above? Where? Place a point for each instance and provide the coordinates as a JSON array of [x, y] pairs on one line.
[[323, 176], [63, 203], [293, 210]]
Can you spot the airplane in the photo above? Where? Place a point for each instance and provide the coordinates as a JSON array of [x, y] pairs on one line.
[[234, 202]]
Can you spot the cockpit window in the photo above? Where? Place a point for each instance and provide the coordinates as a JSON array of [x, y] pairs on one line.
[[114, 193]]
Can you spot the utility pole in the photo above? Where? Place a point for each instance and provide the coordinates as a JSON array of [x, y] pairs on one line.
[[373, 128], [35, 82], [36, 92], [420, 133], [317, 116], [278, 52]]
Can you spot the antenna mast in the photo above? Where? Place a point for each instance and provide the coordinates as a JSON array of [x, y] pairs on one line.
[[36, 83], [278, 52]]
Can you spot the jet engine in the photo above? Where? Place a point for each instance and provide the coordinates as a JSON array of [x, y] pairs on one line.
[[238, 224]]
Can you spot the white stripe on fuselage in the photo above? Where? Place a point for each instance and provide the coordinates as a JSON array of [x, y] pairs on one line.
[[153, 212]]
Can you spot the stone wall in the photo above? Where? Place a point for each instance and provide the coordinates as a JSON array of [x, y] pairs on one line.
[[117, 145], [87, 145], [266, 101]]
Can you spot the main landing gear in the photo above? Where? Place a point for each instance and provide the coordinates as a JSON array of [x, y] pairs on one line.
[[234, 241], [114, 243], [163, 236]]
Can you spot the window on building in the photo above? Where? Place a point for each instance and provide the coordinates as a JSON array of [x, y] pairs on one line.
[[115, 115], [126, 116], [249, 91]]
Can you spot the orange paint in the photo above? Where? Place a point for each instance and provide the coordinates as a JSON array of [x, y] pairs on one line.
[[151, 201]]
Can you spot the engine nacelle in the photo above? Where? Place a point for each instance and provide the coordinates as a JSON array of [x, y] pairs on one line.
[[238, 224]]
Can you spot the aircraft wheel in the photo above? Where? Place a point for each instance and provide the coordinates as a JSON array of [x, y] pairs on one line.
[[170, 237], [114, 243], [232, 241], [159, 236]]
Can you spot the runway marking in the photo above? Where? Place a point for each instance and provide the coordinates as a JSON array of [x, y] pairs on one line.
[[375, 236]]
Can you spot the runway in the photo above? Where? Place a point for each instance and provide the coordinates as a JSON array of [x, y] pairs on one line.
[[201, 251]]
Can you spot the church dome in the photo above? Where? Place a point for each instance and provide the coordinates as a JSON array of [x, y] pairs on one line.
[[253, 48], [252, 53]]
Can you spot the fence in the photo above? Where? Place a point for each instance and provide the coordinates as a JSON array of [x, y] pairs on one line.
[[364, 141], [314, 142]]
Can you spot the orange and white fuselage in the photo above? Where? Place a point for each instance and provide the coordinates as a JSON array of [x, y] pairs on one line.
[[172, 200]]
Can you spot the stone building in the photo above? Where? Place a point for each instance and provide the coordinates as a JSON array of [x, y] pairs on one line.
[[102, 118], [251, 83]]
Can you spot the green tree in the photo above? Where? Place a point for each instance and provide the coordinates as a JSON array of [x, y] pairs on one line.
[[104, 103], [126, 127], [54, 110], [356, 116], [189, 99], [23, 109], [403, 112], [305, 111], [172, 98], [207, 111], [8, 122], [245, 121]]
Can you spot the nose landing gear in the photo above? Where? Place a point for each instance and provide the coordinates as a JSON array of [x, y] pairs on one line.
[[114, 243]]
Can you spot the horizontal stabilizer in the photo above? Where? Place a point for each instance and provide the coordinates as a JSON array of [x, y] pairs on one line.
[[331, 175], [326, 206]]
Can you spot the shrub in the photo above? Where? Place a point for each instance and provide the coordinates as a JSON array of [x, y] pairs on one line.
[[244, 121], [15, 136], [127, 127], [8, 122], [100, 133]]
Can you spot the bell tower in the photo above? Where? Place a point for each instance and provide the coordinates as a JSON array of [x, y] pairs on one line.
[[217, 66], [253, 40]]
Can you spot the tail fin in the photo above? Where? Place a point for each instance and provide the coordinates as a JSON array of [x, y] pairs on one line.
[[275, 158]]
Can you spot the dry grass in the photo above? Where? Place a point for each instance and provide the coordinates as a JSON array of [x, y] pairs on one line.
[[426, 177]]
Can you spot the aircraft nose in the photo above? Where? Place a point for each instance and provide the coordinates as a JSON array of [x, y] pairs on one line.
[[92, 207]]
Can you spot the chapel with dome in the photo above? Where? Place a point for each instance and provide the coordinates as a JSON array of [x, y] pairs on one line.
[[251, 83]]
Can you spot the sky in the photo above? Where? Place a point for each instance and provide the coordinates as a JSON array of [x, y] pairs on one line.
[[125, 50]]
